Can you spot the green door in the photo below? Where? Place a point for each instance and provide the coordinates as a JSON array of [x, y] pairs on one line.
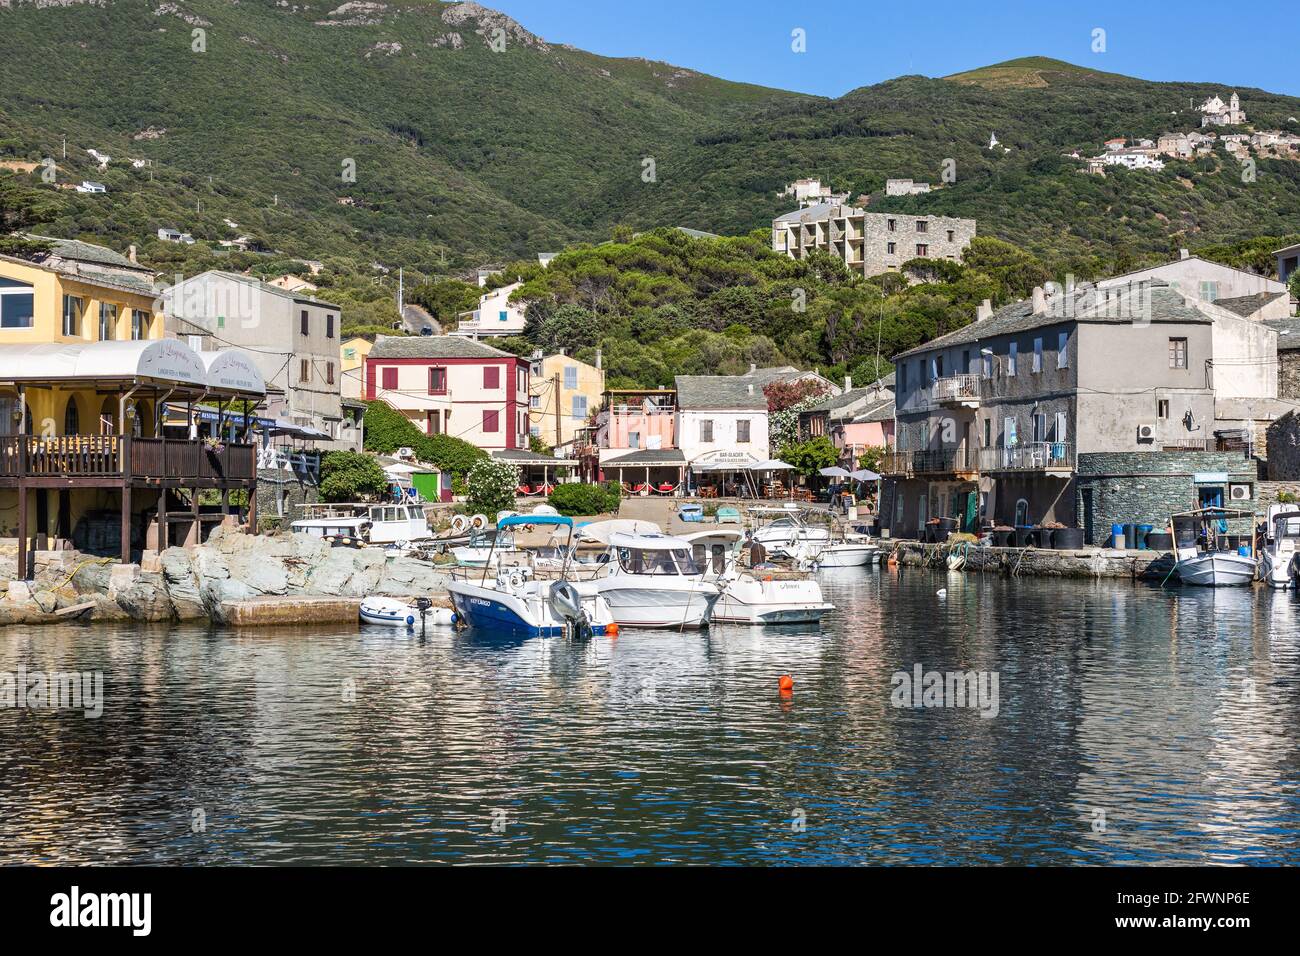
[[972, 511]]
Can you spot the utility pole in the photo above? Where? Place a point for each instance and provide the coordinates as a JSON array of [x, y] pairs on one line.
[[65, 145], [559, 440]]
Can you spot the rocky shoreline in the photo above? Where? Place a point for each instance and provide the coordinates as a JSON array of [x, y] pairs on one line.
[[202, 583]]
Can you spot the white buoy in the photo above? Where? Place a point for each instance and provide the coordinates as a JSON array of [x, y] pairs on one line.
[[942, 592]]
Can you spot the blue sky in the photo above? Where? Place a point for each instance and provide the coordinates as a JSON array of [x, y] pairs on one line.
[[852, 43]]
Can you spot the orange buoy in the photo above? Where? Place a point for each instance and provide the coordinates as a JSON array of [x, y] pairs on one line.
[[611, 629], [787, 682]]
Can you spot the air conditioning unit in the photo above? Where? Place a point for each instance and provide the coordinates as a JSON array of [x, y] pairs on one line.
[[1238, 492], [1147, 432], [406, 452]]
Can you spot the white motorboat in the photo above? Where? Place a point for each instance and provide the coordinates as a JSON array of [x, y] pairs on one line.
[[761, 596], [484, 547], [847, 554], [1278, 561], [512, 602], [382, 525], [391, 612], [781, 529], [1211, 566], [654, 581]]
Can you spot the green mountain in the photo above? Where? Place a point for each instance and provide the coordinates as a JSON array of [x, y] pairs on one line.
[[474, 140]]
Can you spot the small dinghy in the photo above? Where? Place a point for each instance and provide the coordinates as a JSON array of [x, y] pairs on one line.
[[390, 612]]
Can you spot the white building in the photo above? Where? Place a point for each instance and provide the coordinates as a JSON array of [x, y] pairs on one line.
[[175, 235], [89, 186], [1213, 282], [809, 192], [721, 421], [495, 316], [1215, 113], [905, 187]]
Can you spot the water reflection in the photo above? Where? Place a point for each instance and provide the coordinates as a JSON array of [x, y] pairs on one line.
[[1136, 725]]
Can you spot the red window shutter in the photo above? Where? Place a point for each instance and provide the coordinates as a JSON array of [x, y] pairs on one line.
[[390, 378], [491, 420], [491, 376]]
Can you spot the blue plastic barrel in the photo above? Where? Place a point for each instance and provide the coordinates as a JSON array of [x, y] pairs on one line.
[[1117, 536], [1130, 536], [1244, 551], [1142, 531]]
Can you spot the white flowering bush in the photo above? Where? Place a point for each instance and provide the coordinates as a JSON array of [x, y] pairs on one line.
[[492, 485]]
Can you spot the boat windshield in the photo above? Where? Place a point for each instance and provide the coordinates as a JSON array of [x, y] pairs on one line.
[[657, 561]]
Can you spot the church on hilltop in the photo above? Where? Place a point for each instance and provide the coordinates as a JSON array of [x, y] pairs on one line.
[[1215, 113]]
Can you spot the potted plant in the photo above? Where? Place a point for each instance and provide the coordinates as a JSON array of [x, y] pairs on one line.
[[1002, 535], [1044, 532]]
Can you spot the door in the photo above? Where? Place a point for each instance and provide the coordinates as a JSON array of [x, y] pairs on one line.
[[1086, 494], [971, 522]]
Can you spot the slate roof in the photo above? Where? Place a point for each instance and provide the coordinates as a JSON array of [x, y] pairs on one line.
[[821, 210], [1247, 305], [720, 392], [1288, 333], [882, 412], [433, 347], [77, 251], [1166, 306], [258, 284]]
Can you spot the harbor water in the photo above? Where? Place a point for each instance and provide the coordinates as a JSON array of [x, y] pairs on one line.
[[1133, 725]]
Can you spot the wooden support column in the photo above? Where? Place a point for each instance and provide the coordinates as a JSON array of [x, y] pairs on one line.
[[197, 529], [126, 522], [164, 541], [22, 531]]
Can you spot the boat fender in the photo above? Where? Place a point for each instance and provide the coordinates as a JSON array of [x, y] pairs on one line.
[[566, 602], [459, 523], [478, 522]]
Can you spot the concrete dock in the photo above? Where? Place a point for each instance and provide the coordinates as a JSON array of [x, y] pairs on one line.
[[292, 611], [1039, 562]]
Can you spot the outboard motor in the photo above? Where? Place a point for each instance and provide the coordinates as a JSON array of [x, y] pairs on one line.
[[423, 604], [566, 602]]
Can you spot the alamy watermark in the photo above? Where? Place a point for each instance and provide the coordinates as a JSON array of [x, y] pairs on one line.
[[977, 690], [53, 690]]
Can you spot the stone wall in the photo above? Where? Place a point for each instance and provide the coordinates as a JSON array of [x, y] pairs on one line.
[[1147, 487], [1283, 437], [1288, 373], [281, 495]]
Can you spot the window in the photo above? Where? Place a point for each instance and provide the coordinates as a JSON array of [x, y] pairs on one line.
[[706, 430], [304, 371], [633, 439], [902, 377], [1038, 354], [535, 431], [1009, 438], [349, 355], [107, 321], [503, 316], [922, 250], [951, 236], [1178, 353], [329, 373], [1040, 427], [988, 433], [196, 342], [437, 380], [433, 422], [891, 248], [1162, 408], [922, 226], [891, 224], [71, 418], [139, 325], [389, 378], [579, 407], [534, 401], [303, 326], [1062, 430], [1012, 349], [1022, 513], [17, 304], [988, 366], [571, 376], [73, 309], [742, 431], [491, 377], [1209, 290], [491, 420], [1063, 350], [329, 326]]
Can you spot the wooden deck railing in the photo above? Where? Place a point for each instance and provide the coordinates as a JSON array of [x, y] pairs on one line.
[[115, 456]]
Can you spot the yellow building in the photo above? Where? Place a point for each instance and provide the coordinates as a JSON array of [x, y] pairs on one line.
[[85, 373], [352, 364], [564, 393]]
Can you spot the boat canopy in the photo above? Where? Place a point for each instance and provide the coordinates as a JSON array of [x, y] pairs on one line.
[[648, 542], [733, 533], [516, 520], [600, 531]]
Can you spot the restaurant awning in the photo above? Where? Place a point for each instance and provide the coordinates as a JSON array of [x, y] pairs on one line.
[[526, 458], [283, 426], [167, 363], [648, 458]]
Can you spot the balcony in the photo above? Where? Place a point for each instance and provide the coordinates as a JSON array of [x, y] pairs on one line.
[[1055, 457], [930, 462], [958, 390], [118, 457]]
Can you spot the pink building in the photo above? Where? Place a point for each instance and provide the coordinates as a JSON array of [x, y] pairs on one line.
[[451, 385]]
